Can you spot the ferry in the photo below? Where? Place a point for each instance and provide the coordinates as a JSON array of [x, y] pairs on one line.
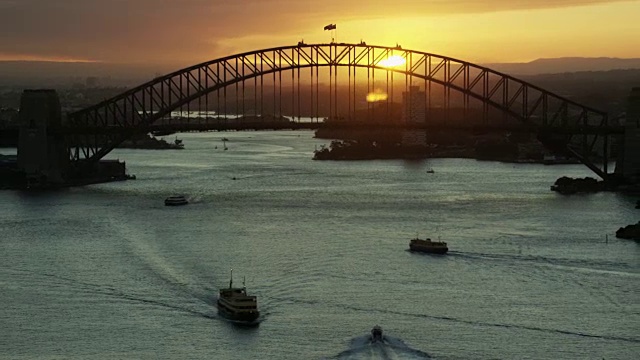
[[176, 200], [376, 334], [236, 305], [428, 246]]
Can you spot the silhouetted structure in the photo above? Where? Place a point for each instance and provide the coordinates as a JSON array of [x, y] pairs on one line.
[[628, 165], [266, 82]]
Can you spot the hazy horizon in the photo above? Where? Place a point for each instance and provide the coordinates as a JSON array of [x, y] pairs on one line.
[[44, 73]]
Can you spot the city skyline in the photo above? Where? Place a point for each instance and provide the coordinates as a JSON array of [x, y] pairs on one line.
[[175, 33]]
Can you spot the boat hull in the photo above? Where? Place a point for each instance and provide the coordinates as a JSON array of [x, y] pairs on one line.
[[174, 203], [376, 335], [428, 250], [248, 318]]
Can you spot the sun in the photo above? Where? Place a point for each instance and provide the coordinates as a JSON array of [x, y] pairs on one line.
[[393, 61], [377, 95]]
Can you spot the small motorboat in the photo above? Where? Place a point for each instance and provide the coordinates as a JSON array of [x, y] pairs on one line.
[[376, 334], [176, 200], [430, 171]]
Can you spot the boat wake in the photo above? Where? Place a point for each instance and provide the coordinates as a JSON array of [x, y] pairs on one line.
[[195, 199], [465, 321], [187, 301], [573, 265], [362, 347], [57, 284]]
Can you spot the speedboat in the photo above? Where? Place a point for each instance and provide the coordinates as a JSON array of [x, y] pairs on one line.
[[428, 246], [176, 200], [236, 305], [376, 334]]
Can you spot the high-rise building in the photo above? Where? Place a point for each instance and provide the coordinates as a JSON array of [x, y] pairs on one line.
[[414, 113], [414, 106]]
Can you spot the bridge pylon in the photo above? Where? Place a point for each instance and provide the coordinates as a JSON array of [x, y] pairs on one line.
[[628, 164], [42, 155]]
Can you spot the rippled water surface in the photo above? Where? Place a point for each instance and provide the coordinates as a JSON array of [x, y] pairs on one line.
[[107, 271]]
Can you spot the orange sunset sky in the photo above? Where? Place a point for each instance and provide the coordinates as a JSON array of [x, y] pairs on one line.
[[183, 32]]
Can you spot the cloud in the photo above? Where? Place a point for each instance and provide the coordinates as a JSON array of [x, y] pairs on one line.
[[174, 31]]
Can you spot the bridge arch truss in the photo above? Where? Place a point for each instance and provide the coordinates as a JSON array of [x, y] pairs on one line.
[[94, 131]]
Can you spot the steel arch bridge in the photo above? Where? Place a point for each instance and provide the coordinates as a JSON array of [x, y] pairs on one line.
[[93, 132]]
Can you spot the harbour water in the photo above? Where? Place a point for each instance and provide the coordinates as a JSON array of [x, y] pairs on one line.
[[108, 272]]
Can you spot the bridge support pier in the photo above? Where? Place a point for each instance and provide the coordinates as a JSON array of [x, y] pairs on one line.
[[42, 156], [628, 164]]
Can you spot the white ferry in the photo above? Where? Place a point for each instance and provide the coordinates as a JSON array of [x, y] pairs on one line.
[[428, 246], [235, 304], [175, 200]]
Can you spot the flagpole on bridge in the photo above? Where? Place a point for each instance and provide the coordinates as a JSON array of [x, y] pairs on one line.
[[334, 31]]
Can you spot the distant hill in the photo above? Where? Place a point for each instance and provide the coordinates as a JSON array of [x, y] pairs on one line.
[[604, 90], [56, 74], [564, 65]]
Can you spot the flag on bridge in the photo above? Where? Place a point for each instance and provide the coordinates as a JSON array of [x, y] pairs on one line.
[[330, 27]]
